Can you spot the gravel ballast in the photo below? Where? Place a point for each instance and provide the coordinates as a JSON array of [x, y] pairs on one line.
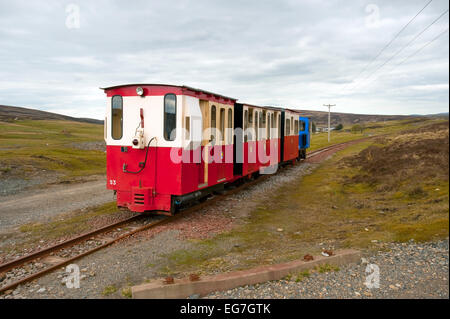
[[116, 268], [408, 270]]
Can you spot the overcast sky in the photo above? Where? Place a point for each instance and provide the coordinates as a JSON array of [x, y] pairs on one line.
[[294, 53]]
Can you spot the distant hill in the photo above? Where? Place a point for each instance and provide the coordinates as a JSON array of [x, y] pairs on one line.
[[9, 113], [445, 114], [321, 117]]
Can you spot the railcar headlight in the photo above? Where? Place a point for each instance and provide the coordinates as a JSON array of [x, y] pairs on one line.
[[135, 142], [139, 91]]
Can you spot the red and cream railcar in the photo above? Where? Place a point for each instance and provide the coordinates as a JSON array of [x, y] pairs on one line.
[[170, 144], [290, 131], [166, 143], [258, 147]]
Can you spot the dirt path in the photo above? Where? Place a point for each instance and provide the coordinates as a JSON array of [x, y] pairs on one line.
[[44, 203]]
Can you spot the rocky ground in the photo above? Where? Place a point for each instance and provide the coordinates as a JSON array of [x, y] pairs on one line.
[[45, 202], [90, 146], [407, 270], [12, 185], [105, 273]]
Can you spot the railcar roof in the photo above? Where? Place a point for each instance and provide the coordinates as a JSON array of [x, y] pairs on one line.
[[264, 106], [179, 86], [282, 108], [275, 108], [295, 111]]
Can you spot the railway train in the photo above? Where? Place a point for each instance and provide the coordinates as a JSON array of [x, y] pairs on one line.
[[167, 145]]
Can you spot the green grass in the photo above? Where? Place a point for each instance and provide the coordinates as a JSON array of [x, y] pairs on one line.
[[326, 268], [29, 146], [302, 275], [126, 292], [109, 290]]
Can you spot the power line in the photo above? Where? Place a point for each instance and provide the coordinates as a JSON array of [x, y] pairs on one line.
[[423, 47], [414, 53], [403, 47], [390, 42]]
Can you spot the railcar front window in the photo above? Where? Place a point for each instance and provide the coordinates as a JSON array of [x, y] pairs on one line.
[[117, 117], [170, 117]]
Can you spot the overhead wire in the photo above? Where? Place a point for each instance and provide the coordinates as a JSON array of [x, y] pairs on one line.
[[389, 43], [411, 55], [402, 48]]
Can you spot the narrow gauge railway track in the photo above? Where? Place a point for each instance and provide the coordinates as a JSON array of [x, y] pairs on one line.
[[23, 261]]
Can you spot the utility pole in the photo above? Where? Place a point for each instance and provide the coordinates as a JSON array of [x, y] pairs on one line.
[[329, 117]]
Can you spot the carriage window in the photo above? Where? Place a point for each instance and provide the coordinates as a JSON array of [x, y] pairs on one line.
[[213, 116], [296, 127], [288, 127], [292, 124], [213, 122], [273, 124], [261, 120], [187, 126], [245, 125], [170, 116], [256, 125], [230, 126], [268, 127], [302, 126], [117, 117], [222, 124], [279, 125]]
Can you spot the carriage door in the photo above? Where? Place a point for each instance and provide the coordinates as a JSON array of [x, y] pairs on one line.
[[203, 166], [220, 156]]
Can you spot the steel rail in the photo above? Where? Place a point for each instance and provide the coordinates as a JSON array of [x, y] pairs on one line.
[[70, 242]]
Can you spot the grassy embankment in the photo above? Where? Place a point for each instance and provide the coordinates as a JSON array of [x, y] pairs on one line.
[[30, 147], [388, 189], [320, 140]]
